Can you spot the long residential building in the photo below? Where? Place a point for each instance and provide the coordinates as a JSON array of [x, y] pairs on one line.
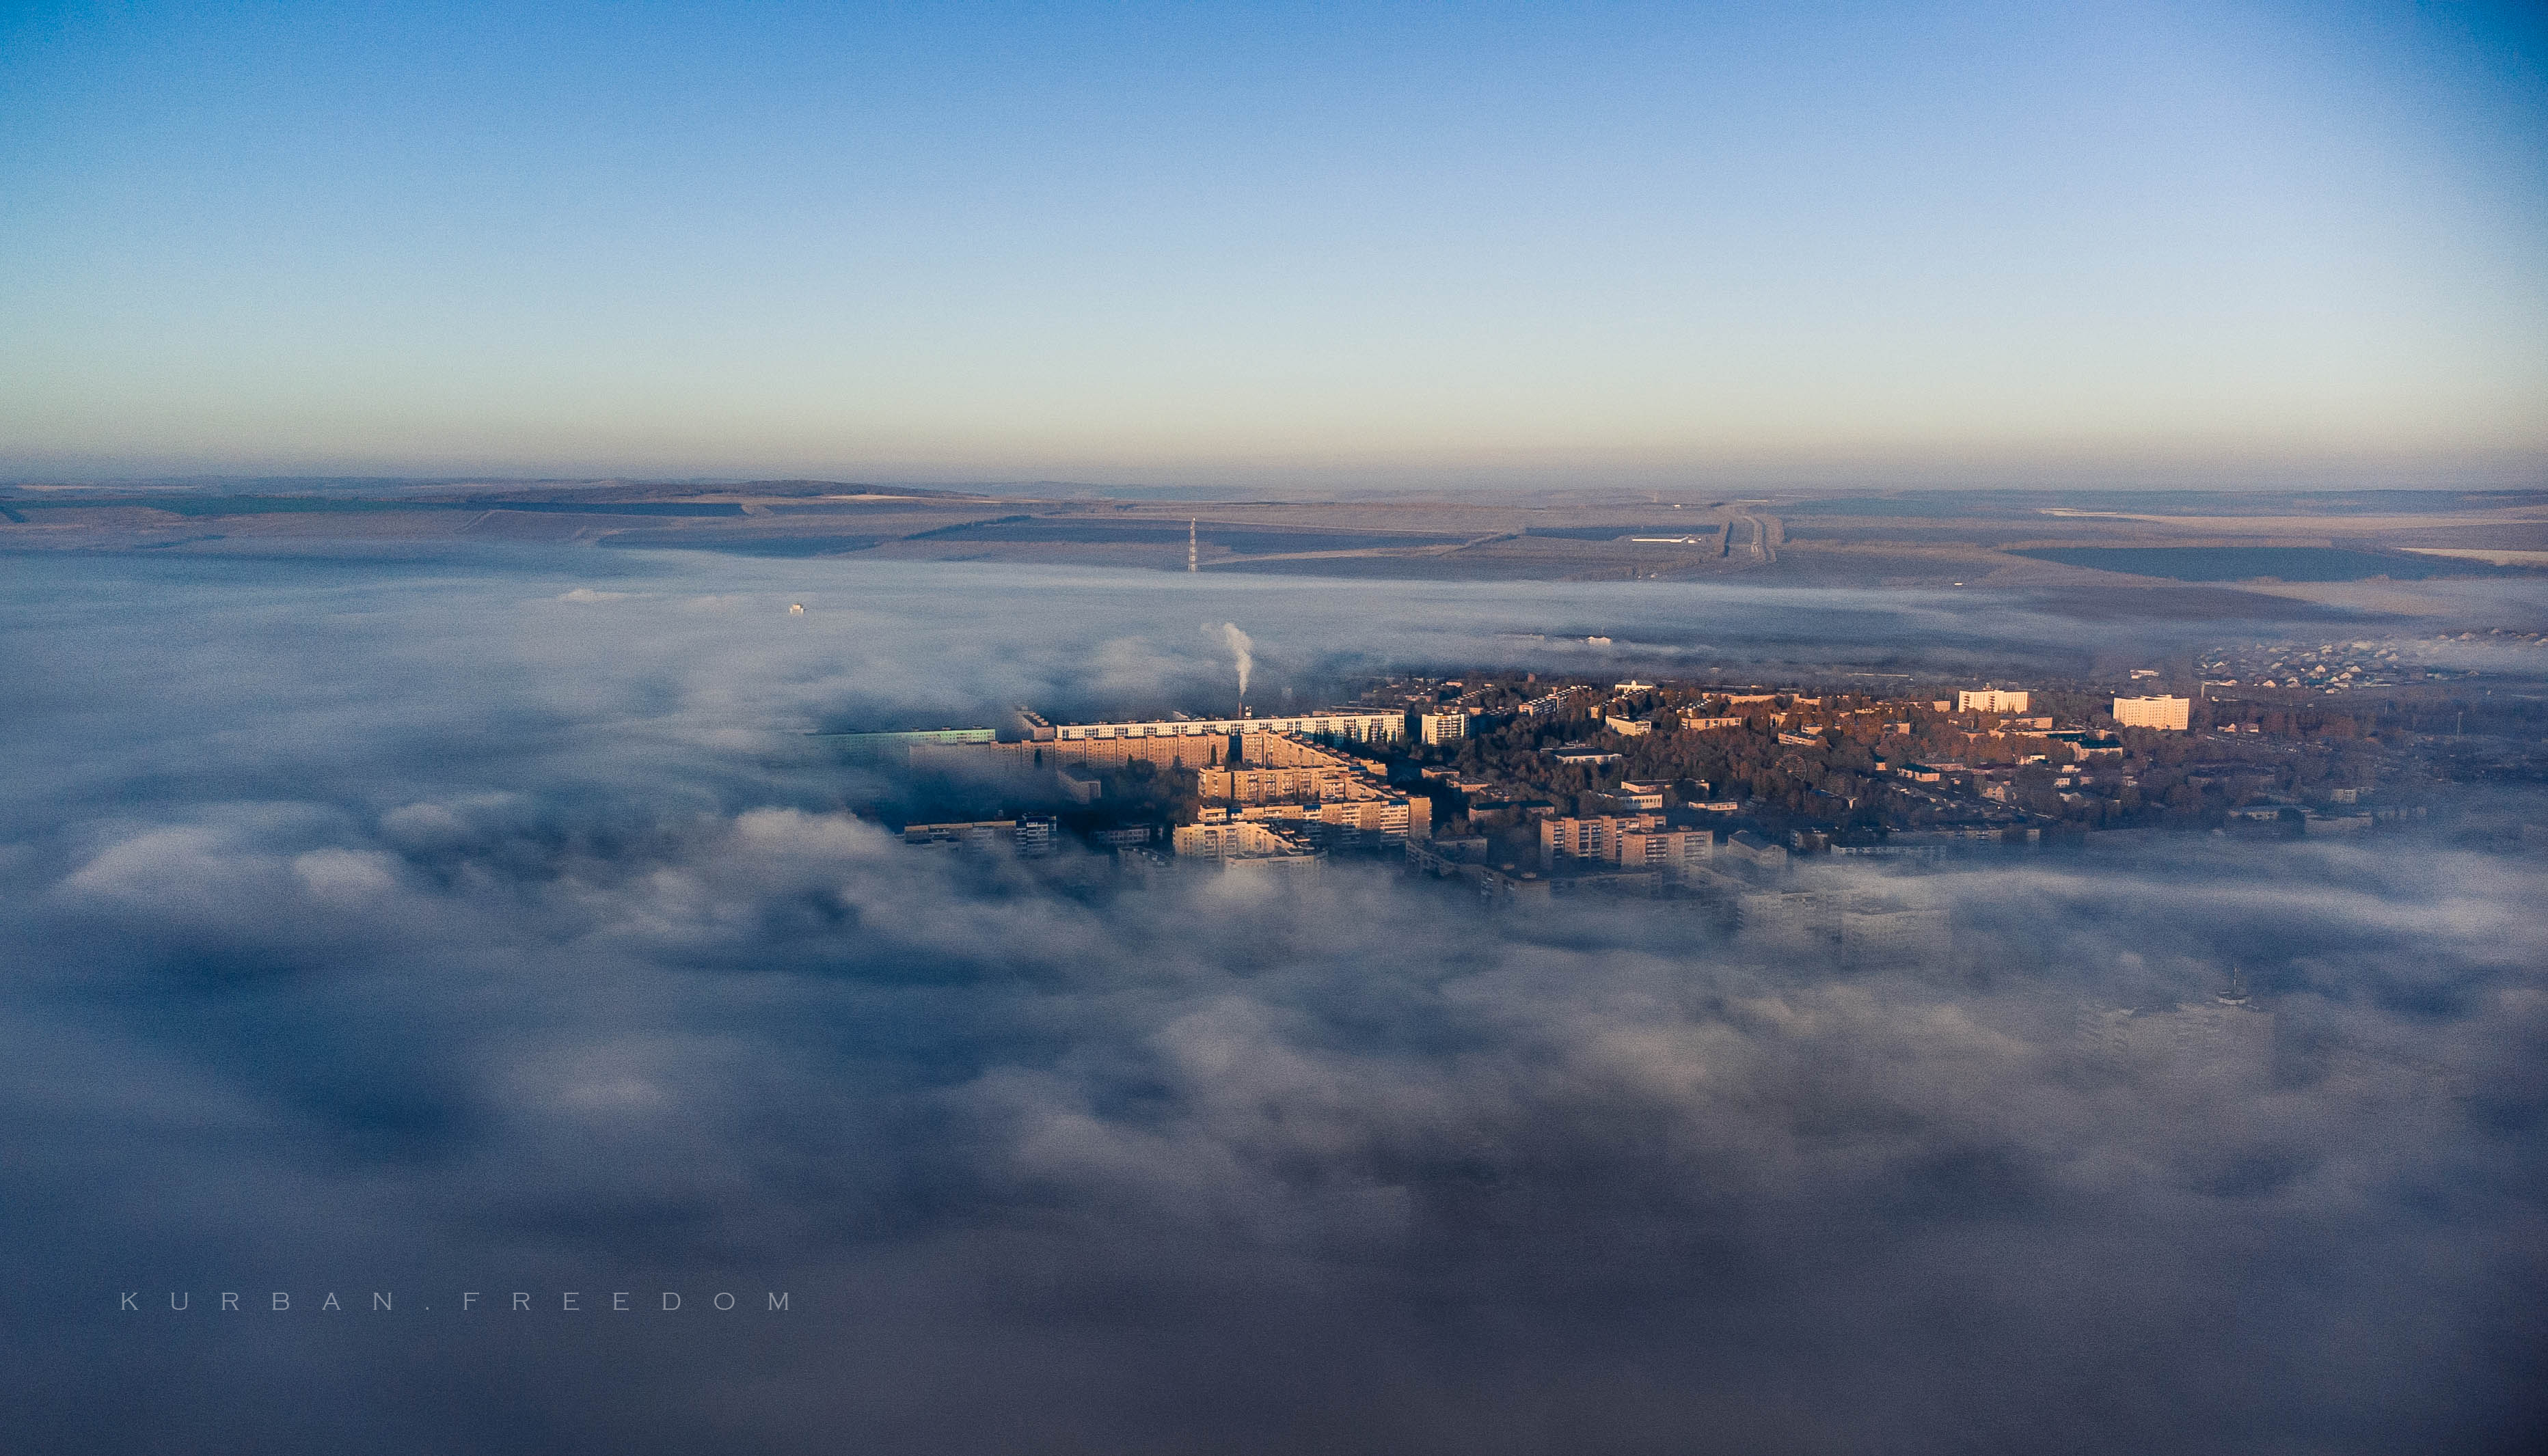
[[1357, 725], [1219, 836], [1351, 823], [1243, 784], [1031, 836]]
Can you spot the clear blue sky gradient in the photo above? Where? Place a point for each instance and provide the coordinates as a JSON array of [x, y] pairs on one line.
[[1437, 245]]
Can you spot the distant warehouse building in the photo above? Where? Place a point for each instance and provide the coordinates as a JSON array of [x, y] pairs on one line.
[[2153, 712]]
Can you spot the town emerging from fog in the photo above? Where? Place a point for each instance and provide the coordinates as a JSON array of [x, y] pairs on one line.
[[1486, 971], [1532, 787], [1274, 729], [1794, 816]]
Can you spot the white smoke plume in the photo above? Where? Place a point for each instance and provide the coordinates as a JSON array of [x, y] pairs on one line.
[[1242, 651]]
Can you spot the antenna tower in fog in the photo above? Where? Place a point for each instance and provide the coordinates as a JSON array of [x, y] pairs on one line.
[[1190, 543]]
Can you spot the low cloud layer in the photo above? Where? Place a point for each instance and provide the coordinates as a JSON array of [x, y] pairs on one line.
[[473, 926]]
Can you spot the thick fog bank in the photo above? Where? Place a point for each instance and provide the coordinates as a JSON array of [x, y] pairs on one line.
[[472, 926]]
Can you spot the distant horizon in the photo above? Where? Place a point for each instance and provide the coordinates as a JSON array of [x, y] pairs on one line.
[[1208, 492]]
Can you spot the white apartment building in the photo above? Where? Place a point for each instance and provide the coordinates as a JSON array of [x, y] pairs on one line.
[[2153, 712], [1990, 701], [1439, 728]]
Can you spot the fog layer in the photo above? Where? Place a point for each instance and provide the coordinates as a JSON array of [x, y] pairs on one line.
[[488, 925]]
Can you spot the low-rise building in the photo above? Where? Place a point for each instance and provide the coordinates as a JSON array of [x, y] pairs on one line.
[[1445, 857], [1750, 850], [1079, 783], [1633, 797], [1582, 752], [1467, 858]]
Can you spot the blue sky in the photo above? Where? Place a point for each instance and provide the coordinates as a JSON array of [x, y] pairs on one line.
[[1435, 246]]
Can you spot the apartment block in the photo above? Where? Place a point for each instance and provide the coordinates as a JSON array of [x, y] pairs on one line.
[[1593, 837], [1990, 701], [2153, 712]]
